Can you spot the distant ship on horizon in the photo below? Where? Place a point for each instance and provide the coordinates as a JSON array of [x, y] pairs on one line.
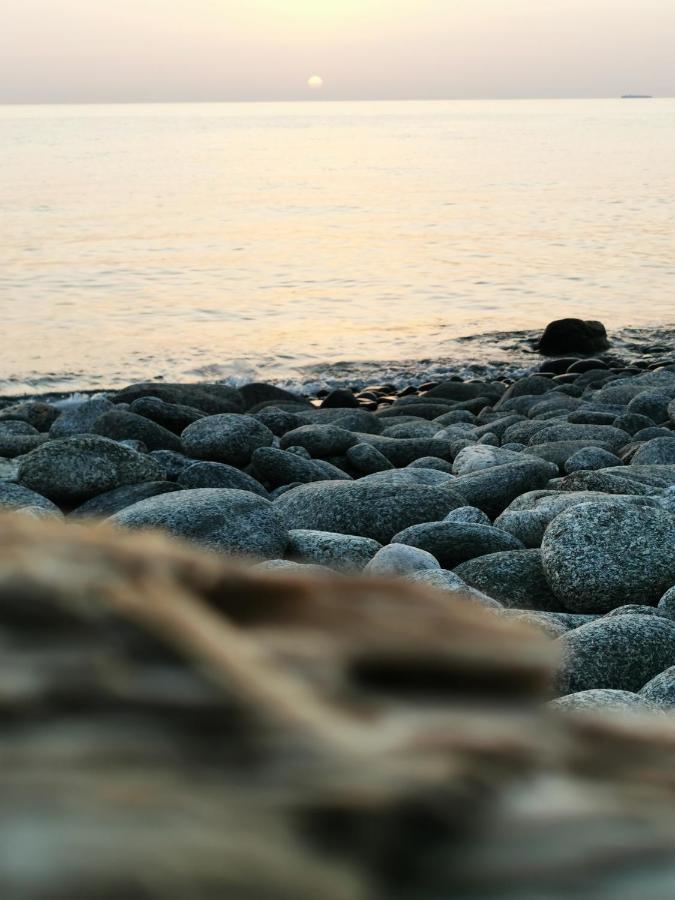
[[637, 97]]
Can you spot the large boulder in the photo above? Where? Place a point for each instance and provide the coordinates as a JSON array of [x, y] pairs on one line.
[[71, 470], [235, 522], [226, 438], [493, 489], [598, 556], [573, 336]]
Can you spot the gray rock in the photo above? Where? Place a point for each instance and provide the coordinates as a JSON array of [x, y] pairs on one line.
[[479, 456], [234, 522], [376, 511], [493, 489], [209, 398], [279, 467], [295, 568], [172, 463], [516, 578], [399, 559], [342, 552], [633, 609], [660, 691], [277, 420], [527, 525], [454, 417], [666, 604], [298, 451], [443, 580], [39, 415], [105, 505], [218, 475], [257, 392], [172, 416], [71, 470], [646, 434], [598, 556], [410, 475], [657, 452], [454, 542], [651, 403], [609, 437], [320, 441], [411, 430], [403, 451], [431, 462], [15, 496], [559, 452], [9, 469], [367, 459], [466, 390], [230, 439], [615, 481], [119, 425], [13, 445], [469, 514], [620, 652], [599, 699], [591, 458], [548, 623], [633, 423], [16, 427]]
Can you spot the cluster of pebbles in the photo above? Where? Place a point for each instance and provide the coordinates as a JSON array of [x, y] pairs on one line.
[[549, 499]]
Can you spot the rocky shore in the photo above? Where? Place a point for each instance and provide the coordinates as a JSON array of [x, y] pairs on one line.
[[549, 499]]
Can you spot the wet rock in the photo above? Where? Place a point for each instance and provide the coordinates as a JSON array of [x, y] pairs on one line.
[[454, 542], [235, 522], [342, 552], [218, 475], [516, 578], [399, 559], [111, 502], [209, 398], [598, 700], [16, 496], [340, 399], [660, 691], [39, 415], [172, 416], [598, 556], [230, 439], [71, 470], [79, 418], [564, 336], [278, 467], [119, 425]]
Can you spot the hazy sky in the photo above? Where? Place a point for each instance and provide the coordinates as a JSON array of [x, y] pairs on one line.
[[101, 50]]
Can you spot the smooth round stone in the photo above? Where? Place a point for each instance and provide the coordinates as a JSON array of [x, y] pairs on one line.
[[444, 580], [15, 445], [16, 496], [598, 556], [231, 521], [119, 425], [399, 559], [607, 435], [650, 403], [371, 510], [666, 604], [469, 514], [227, 438], [410, 476], [17, 427], [660, 691], [218, 475], [9, 469], [514, 577], [527, 525], [172, 416], [548, 624], [633, 423], [367, 459], [320, 441], [620, 652], [211, 399], [590, 458], [256, 392], [454, 542], [411, 430], [598, 700], [279, 467], [343, 552], [38, 414], [298, 451], [71, 470], [613, 481], [171, 462], [277, 420], [479, 456], [112, 502], [493, 489], [431, 462], [657, 452], [294, 568], [633, 609]]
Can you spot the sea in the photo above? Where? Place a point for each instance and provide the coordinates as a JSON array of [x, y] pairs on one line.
[[326, 243]]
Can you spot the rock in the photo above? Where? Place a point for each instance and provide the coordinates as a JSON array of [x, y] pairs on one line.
[[411, 430], [658, 452], [399, 559], [651, 403], [367, 459], [342, 552], [529, 386], [591, 458], [470, 514], [431, 462], [516, 578], [444, 580], [172, 416], [607, 436], [454, 542], [467, 390], [593, 417], [13, 427], [620, 652], [172, 463], [39, 415], [13, 445], [547, 623], [612, 481], [403, 451], [493, 489], [527, 525], [79, 418], [423, 477], [478, 457], [573, 336], [235, 522], [277, 420], [298, 451], [227, 438], [666, 604], [599, 699], [660, 691], [633, 609], [218, 475], [377, 511], [71, 470], [209, 398], [9, 469], [295, 568], [340, 399], [632, 423], [598, 556], [559, 452], [320, 441], [257, 392], [119, 425], [16, 496], [104, 505], [279, 467]]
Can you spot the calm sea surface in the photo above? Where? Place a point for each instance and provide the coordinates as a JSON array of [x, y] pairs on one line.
[[229, 241]]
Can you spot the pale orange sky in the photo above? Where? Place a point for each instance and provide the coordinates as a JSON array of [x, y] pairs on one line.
[[134, 50]]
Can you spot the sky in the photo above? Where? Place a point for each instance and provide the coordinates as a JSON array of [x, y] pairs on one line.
[[169, 50]]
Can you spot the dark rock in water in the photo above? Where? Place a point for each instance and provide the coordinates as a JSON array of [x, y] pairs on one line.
[[71, 470], [257, 392], [587, 365], [367, 459], [121, 425], [226, 438], [598, 556], [400, 559], [340, 399], [210, 398], [658, 452], [660, 691], [172, 463], [171, 416], [493, 489], [13, 445], [278, 420], [343, 552], [516, 578], [590, 458], [15, 496], [573, 336], [622, 653], [234, 522], [120, 498], [79, 418], [454, 542], [600, 699], [278, 467], [377, 511], [39, 415], [320, 441], [218, 475]]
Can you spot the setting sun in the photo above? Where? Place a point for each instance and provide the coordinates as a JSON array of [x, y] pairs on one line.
[[315, 82]]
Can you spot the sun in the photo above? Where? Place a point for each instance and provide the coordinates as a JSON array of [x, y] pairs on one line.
[[315, 82]]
